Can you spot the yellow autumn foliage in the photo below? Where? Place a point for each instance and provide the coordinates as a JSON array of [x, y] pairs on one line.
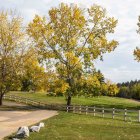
[[137, 54], [72, 38]]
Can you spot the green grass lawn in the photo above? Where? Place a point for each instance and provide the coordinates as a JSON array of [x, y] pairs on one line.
[[68, 126], [111, 102]]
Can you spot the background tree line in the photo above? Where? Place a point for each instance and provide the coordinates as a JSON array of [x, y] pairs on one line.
[[93, 84], [129, 89]]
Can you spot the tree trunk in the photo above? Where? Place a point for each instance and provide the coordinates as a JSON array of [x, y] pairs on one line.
[[1, 97], [69, 101], [69, 80]]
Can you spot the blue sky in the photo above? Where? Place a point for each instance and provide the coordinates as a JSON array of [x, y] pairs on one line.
[[118, 66]]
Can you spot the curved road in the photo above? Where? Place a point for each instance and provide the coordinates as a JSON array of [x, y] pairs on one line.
[[11, 120]]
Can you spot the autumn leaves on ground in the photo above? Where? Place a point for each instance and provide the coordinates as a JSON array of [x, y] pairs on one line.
[[56, 55]]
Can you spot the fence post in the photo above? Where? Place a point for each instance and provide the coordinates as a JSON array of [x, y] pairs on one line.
[[113, 113], [86, 110], [94, 111], [26, 101], [103, 111], [139, 116], [73, 108], [39, 104], [67, 108], [125, 114], [80, 109]]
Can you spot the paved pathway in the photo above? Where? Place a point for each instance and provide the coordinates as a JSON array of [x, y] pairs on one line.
[[10, 121]]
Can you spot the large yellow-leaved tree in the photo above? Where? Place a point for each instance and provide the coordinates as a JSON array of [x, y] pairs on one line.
[[72, 38], [11, 50]]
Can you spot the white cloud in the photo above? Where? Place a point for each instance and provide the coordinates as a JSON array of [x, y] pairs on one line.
[[122, 75]]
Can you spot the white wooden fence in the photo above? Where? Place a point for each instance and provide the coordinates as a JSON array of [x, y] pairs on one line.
[[23, 100], [126, 115], [35, 103]]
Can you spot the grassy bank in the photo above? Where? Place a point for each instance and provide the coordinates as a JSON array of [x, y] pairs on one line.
[[111, 102]]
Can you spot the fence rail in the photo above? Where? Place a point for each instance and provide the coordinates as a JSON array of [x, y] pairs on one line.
[[22, 100], [35, 103], [123, 114]]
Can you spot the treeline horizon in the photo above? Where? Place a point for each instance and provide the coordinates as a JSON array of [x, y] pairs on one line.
[[129, 89]]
